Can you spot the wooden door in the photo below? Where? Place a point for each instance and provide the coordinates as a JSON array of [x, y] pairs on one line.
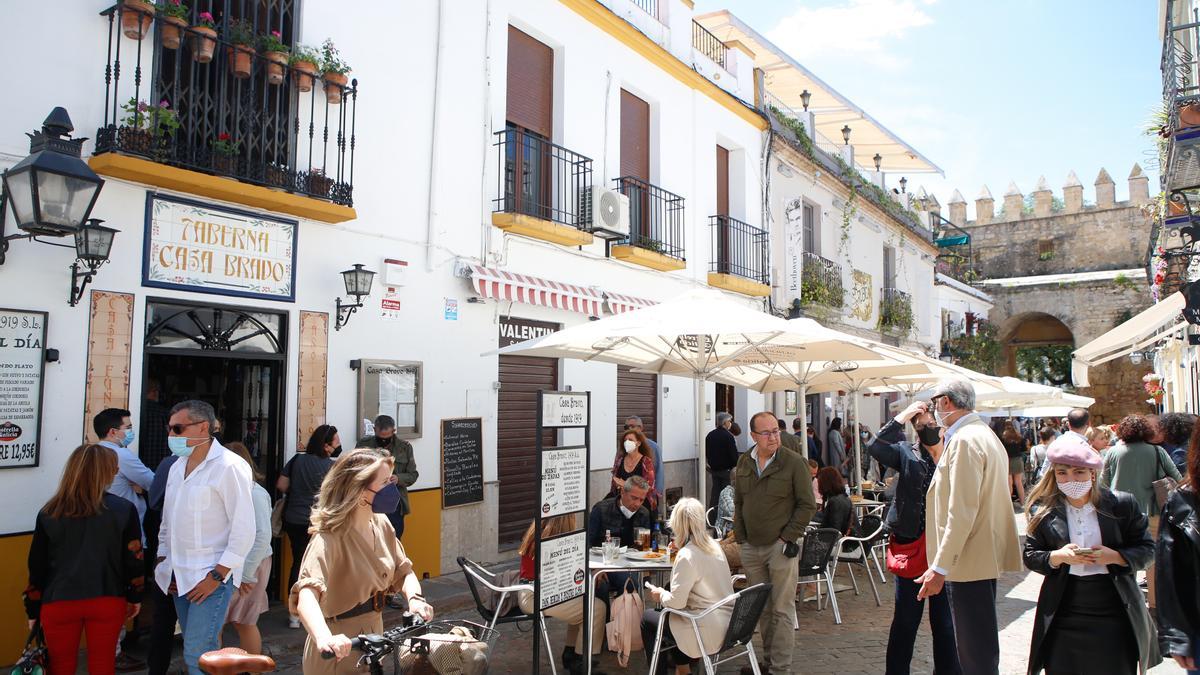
[[721, 236], [637, 394], [516, 427], [635, 163]]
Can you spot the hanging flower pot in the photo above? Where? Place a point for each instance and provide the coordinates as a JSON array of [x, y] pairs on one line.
[[276, 61], [334, 83], [239, 60], [1175, 208], [204, 41], [1189, 114], [305, 72], [172, 32], [137, 17], [319, 184]]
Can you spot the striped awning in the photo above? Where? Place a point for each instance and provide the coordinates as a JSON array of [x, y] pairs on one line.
[[618, 303], [490, 282]]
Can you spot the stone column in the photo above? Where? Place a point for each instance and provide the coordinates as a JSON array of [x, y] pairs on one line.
[[1106, 190], [1073, 194], [1043, 199], [1139, 186], [958, 209], [1014, 202], [985, 206]]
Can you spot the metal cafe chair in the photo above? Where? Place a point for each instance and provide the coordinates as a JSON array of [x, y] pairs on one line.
[[748, 605], [477, 576], [855, 550], [816, 561]]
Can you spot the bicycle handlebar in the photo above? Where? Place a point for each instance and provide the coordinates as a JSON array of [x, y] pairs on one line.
[[355, 643]]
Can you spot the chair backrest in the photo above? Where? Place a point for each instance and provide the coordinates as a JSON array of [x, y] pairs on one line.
[[471, 570], [869, 526], [746, 611], [818, 548]]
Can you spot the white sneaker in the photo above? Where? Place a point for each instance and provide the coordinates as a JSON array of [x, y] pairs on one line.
[[293, 621]]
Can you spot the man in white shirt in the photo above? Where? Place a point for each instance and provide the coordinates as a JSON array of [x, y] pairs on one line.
[[114, 428], [207, 528]]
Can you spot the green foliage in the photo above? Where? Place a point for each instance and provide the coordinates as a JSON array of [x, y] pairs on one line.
[[896, 313], [980, 352], [815, 291], [272, 42], [796, 127], [1123, 281], [241, 32], [1046, 255], [171, 8], [304, 53], [648, 244], [1048, 364], [331, 59], [1057, 205], [159, 120]]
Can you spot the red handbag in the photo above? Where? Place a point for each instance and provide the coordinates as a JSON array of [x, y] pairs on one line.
[[908, 561]]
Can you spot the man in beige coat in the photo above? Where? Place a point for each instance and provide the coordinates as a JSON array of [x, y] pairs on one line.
[[970, 530]]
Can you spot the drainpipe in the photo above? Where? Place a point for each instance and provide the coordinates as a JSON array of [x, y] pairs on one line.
[[431, 208]]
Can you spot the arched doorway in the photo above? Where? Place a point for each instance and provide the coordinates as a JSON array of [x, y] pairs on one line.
[[1037, 348]]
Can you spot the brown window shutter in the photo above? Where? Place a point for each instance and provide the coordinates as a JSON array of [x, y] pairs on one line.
[[635, 137], [722, 181], [530, 84]]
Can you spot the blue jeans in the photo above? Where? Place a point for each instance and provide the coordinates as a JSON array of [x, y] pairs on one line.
[[905, 622], [201, 623]]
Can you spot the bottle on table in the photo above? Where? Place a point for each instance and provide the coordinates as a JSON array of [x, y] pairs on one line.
[[654, 537]]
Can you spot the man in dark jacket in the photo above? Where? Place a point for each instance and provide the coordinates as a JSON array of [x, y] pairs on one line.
[[773, 503], [620, 514], [721, 455], [404, 472], [1177, 564]]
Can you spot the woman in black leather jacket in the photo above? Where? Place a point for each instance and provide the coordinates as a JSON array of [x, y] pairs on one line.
[[1088, 541], [1177, 568]]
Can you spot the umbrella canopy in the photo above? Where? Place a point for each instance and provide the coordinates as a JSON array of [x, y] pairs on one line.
[[702, 334]]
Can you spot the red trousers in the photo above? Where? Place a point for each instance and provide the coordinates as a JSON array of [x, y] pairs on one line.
[[65, 620]]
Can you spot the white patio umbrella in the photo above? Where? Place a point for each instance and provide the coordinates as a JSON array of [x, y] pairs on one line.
[[701, 334]]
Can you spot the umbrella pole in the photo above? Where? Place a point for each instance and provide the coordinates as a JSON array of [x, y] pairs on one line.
[[701, 460], [802, 408], [857, 447]]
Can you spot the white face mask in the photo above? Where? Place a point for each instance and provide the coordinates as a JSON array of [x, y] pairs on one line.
[[1076, 489], [631, 446]]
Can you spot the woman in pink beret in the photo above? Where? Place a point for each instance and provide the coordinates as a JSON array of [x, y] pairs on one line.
[[1089, 542]]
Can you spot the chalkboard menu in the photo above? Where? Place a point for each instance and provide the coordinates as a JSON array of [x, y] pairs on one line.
[[462, 461]]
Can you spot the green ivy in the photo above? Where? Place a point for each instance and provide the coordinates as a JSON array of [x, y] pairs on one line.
[[980, 352], [1123, 281], [896, 313], [815, 292]]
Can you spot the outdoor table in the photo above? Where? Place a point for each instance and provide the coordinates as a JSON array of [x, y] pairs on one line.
[[866, 504], [622, 564]]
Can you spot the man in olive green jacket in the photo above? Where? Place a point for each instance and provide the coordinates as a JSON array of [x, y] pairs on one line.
[[404, 473], [772, 504]]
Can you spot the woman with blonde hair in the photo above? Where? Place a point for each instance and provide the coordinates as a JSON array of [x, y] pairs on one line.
[[699, 580], [85, 564], [352, 562], [571, 611], [1099, 438], [1088, 541], [250, 599]]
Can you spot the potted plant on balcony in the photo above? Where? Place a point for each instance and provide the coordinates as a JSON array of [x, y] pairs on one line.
[[275, 52], [277, 175], [333, 72], [304, 59], [241, 54], [204, 40], [145, 125], [318, 183], [174, 22], [137, 16], [224, 153]]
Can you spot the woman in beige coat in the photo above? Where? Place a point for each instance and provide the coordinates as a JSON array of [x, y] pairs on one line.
[[699, 580]]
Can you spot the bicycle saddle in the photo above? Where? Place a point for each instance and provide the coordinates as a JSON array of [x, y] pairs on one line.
[[232, 660]]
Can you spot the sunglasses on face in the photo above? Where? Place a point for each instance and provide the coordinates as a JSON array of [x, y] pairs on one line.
[[177, 429]]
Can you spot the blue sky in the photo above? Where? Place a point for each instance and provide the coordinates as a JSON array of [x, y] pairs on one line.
[[990, 91]]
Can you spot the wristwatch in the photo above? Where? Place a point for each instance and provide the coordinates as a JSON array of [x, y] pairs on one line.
[[216, 576]]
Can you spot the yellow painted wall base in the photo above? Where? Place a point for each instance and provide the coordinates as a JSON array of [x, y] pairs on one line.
[[14, 577], [732, 282], [216, 187], [647, 258], [537, 228]]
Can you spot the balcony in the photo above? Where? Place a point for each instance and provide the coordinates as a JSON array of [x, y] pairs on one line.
[[655, 226], [1180, 151], [185, 108], [821, 285], [542, 189], [895, 311], [955, 256], [709, 45], [740, 257]]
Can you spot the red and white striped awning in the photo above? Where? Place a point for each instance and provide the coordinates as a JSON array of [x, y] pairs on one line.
[[490, 282], [618, 303]]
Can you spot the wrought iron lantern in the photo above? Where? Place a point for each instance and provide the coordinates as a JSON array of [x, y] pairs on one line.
[[903, 185], [846, 134], [358, 286], [878, 161], [805, 97], [93, 243], [946, 356]]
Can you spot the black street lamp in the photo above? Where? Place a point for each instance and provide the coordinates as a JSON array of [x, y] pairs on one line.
[[846, 134], [947, 356], [878, 161], [805, 97], [93, 242], [358, 285], [903, 184]]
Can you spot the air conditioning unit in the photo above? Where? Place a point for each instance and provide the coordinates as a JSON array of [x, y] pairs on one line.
[[604, 212]]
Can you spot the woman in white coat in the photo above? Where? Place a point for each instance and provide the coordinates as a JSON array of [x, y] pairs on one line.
[[699, 580]]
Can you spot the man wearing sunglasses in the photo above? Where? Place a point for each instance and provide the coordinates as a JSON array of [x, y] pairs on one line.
[[207, 529]]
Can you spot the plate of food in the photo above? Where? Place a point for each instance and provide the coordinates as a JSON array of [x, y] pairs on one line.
[[646, 556]]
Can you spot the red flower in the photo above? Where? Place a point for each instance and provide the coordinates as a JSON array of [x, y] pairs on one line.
[[224, 137], [277, 34]]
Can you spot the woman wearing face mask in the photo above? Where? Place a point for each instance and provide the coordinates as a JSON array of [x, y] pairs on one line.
[[299, 482], [352, 562], [914, 464], [1088, 541], [634, 458]]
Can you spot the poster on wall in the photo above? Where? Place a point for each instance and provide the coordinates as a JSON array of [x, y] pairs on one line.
[[790, 405], [199, 247], [109, 350], [22, 374]]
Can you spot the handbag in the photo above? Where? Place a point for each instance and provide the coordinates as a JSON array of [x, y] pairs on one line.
[[907, 561], [35, 660], [277, 517], [1162, 486]]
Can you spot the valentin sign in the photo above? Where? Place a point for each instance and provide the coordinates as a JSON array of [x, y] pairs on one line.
[[22, 369], [199, 247]]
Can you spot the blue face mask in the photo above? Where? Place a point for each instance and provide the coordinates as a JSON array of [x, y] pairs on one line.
[[386, 499], [179, 446], [128, 440]]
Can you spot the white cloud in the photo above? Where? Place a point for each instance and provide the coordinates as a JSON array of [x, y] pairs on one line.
[[862, 30]]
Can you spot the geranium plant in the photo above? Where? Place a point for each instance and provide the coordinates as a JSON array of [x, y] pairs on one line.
[[331, 59], [304, 54], [1152, 383], [206, 20], [272, 42], [225, 145], [159, 120], [172, 8], [241, 32]]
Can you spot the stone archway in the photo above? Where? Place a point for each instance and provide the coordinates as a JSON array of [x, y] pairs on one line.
[[1033, 335]]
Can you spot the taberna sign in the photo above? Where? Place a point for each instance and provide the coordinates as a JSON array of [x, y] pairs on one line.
[[1191, 297]]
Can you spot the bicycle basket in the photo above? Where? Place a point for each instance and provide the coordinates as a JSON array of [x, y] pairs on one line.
[[444, 646]]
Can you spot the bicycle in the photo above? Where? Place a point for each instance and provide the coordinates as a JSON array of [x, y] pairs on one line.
[[418, 639]]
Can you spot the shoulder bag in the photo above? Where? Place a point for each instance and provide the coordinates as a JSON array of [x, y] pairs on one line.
[[1162, 486], [907, 561], [35, 660]]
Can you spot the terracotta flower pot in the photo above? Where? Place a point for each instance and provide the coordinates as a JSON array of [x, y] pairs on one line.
[[318, 185], [172, 32], [275, 65], [1176, 208], [277, 176], [224, 164], [307, 70], [334, 82], [1189, 115], [239, 61], [203, 43], [137, 17]]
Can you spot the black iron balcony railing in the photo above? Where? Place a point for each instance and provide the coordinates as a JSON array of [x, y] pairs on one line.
[[739, 249], [540, 179], [895, 310], [655, 217], [821, 282], [708, 44], [956, 258], [207, 104], [1179, 151], [648, 6]]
